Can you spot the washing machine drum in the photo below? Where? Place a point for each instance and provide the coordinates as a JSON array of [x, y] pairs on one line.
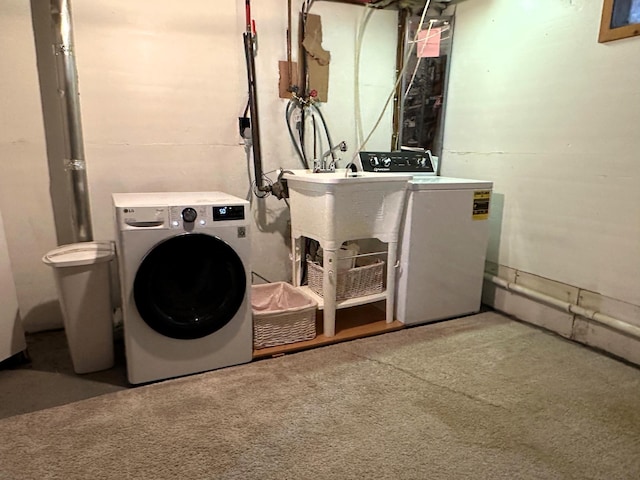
[[190, 286]]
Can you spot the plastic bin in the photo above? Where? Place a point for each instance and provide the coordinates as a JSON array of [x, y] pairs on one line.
[[282, 314], [83, 283]]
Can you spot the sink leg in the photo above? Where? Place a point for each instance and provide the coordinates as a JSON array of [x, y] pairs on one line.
[[391, 279], [329, 279], [295, 262]]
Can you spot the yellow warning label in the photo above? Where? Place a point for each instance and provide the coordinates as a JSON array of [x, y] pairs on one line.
[[481, 199]]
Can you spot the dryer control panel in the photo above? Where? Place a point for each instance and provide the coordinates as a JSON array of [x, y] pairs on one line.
[[398, 162]]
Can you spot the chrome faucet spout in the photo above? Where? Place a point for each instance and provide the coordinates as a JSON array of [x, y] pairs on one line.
[[323, 165], [342, 146]]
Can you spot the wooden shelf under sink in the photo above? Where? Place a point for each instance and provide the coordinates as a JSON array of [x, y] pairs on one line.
[[357, 322], [349, 302]]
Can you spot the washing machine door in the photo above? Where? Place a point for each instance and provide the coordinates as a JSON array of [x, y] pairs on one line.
[[189, 286]]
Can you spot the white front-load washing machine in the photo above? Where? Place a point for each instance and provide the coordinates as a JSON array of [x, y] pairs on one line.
[[185, 282]]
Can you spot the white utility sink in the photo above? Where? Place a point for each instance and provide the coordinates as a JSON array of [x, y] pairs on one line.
[[333, 208], [341, 176]]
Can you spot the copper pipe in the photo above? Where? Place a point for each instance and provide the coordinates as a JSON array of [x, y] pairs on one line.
[[289, 64]]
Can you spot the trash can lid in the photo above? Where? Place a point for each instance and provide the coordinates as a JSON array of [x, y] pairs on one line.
[[76, 254]]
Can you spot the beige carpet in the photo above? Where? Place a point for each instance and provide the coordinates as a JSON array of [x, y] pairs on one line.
[[481, 397]]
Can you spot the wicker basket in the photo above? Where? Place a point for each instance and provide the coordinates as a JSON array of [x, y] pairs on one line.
[[282, 314], [351, 283]]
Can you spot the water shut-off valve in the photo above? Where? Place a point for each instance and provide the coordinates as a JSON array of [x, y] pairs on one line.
[[280, 188]]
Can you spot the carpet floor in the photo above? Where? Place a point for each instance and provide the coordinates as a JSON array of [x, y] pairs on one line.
[[480, 397]]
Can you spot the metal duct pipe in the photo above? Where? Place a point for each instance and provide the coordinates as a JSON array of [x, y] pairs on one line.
[[597, 317], [75, 163]]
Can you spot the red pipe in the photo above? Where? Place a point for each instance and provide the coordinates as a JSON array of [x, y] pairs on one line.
[[247, 6]]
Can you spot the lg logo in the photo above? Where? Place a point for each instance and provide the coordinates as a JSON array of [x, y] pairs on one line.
[[129, 210]]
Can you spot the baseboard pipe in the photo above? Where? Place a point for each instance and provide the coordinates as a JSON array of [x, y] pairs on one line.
[[593, 315]]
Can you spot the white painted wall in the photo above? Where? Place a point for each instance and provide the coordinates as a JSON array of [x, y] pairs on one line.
[[551, 116], [12, 338], [161, 86], [535, 104], [24, 183]]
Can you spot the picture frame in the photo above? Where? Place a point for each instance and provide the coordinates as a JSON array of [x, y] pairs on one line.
[[620, 19]]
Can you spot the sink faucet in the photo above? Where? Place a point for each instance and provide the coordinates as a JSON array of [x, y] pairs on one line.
[[323, 166]]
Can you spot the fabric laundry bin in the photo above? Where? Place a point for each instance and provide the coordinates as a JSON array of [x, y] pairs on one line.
[[83, 282], [282, 314]]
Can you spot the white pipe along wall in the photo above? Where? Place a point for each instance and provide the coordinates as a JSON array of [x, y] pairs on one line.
[[598, 317], [24, 180]]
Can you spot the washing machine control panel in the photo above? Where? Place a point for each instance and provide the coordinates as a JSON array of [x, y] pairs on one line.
[[228, 212], [199, 216], [188, 216]]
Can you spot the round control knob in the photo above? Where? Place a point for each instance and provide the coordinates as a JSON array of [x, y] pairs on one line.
[[374, 162], [189, 215], [386, 161]]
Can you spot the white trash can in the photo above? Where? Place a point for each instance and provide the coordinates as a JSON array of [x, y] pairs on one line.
[[83, 283]]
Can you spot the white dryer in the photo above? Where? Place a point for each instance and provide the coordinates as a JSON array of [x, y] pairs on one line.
[[444, 234], [185, 275]]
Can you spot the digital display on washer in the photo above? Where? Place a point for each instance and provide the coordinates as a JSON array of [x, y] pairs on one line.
[[230, 212]]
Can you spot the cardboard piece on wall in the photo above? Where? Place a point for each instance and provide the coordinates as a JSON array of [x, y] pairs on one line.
[[317, 58], [284, 82]]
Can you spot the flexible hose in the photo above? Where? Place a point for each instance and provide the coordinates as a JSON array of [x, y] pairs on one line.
[[315, 137], [317, 140], [301, 130], [326, 130], [287, 119], [288, 112]]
